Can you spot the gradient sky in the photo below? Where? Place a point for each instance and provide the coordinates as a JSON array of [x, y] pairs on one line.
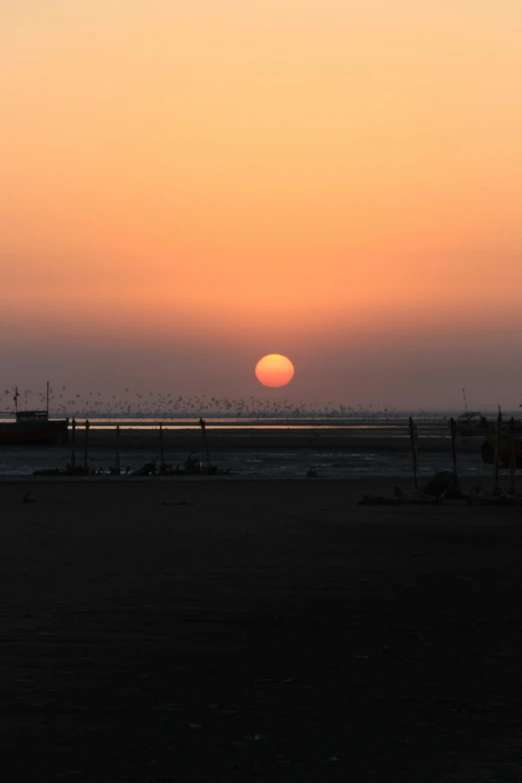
[[187, 186]]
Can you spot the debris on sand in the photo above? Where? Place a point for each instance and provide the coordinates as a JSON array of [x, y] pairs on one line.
[[494, 499], [415, 497], [444, 484], [148, 469]]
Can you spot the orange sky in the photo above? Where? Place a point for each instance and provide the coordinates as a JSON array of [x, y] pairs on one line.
[[337, 181]]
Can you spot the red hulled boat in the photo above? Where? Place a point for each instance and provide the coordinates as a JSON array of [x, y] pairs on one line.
[[34, 427]]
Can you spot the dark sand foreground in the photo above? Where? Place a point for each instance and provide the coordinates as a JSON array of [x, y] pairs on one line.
[[222, 631]]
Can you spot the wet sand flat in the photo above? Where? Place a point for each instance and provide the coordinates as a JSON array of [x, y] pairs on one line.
[[234, 631], [378, 439]]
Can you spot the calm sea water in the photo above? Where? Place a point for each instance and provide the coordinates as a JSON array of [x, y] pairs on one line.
[[358, 421]]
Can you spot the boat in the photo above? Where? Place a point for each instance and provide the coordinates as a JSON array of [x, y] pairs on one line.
[[34, 428], [487, 450], [474, 423], [471, 423]]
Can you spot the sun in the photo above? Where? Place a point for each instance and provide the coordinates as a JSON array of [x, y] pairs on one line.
[[274, 370]]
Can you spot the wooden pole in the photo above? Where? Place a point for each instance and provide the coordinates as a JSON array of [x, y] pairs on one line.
[[118, 469], [512, 458], [73, 444], [86, 445], [203, 425], [496, 459], [162, 453], [413, 438], [453, 429]]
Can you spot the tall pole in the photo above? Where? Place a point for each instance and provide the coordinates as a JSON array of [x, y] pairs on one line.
[[496, 459], [203, 425], [73, 444], [512, 458], [413, 438], [118, 448], [162, 453], [453, 429], [47, 399], [86, 451]]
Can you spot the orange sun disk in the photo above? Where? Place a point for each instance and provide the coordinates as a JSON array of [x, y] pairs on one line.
[[274, 370]]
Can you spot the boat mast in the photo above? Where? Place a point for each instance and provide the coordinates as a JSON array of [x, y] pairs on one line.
[[47, 399], [465, 400]]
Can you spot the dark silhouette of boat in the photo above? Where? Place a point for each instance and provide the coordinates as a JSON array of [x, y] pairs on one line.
[[34, 428], [509, 448], [471, 423]]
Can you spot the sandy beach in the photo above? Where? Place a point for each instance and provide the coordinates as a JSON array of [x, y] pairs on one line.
[[233, 631]]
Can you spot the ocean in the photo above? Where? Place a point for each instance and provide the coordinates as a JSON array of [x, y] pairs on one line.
[[372, 459]]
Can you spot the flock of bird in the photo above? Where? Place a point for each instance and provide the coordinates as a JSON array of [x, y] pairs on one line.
[[138, 404]]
